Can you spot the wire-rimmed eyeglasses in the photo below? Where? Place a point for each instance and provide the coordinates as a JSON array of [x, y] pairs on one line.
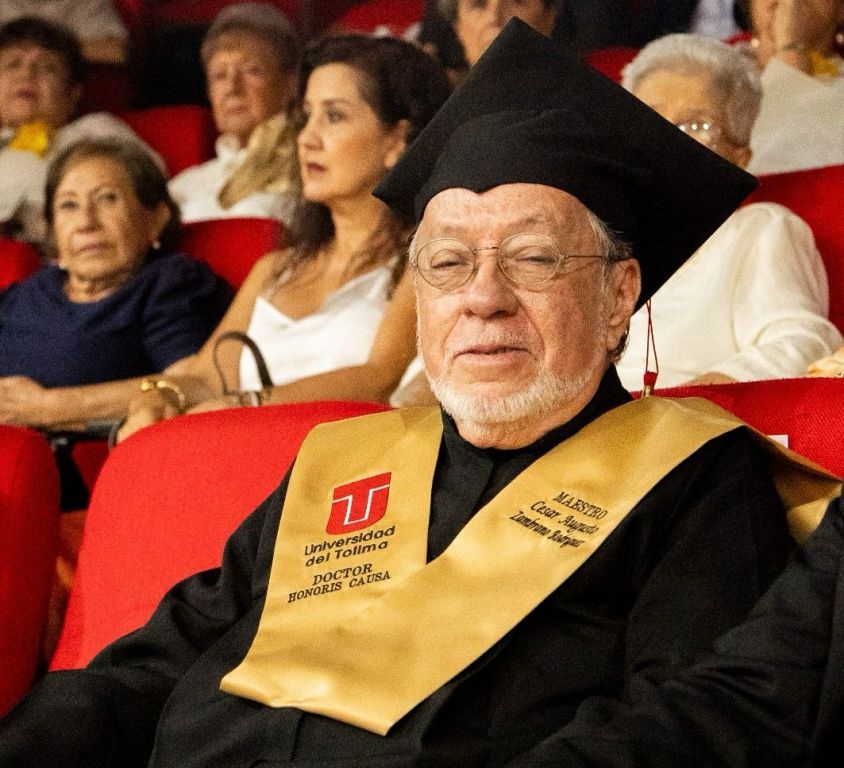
[[705, 131], [526, 260]]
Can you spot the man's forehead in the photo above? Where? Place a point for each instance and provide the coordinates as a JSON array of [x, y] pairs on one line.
[[507, 205]]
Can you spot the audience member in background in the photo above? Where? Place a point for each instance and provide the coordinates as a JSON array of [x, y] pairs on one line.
[[476, 23], [95, 22], [752, 302], [333, 314], [41, 71], [116, 305], [481, 629], [798, 44], [251, 59]]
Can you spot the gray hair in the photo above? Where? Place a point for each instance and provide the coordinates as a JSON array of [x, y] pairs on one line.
[[614, 248], [732, 73], [258, 20]]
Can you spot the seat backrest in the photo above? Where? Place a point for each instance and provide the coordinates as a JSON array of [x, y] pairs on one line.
[[106, 88], [808, 411], [611, 61], [815, 195], [29, 519], [394, 17], [231, 246], [183, 134], [164, 504], [163, 12], [18, 260]]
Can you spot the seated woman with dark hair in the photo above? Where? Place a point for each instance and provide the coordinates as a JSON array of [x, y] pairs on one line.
[[95, 22], [115, 306], [333, 314], [476, 23], [41, 73]]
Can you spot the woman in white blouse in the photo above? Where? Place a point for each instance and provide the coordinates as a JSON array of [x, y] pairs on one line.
[[333, 314], [752, 302]]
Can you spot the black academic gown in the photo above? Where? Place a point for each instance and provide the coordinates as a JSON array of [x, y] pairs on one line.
[[771, 695], [686, 564]]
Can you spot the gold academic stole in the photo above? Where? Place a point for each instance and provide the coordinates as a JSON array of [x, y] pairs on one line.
[[358, 627]]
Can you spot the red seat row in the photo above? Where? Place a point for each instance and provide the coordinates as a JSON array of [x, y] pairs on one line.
[[121, 576]]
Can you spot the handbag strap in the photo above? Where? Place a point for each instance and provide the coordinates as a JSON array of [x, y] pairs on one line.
[[260, 363]]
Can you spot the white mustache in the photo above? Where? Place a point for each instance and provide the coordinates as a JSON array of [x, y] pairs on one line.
[[486, 340]]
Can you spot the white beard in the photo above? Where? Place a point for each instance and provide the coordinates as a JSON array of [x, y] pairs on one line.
[[545, 394]]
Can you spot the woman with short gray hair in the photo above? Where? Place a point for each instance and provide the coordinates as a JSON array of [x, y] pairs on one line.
[[732, 74], [752, 302]]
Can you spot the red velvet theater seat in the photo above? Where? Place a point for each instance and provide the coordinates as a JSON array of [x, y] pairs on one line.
[[18, 260], [611, 61], [816, 195], [29, 517], [183, 135], [394, 17], [231, 246], [165, 503], [809, 412]]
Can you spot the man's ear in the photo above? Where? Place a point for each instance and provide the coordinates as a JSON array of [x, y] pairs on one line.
[[623, 288]]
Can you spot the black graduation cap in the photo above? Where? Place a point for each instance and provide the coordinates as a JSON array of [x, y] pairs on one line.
[[530, 112]]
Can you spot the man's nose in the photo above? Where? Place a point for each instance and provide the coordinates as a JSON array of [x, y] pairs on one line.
[[489, 292]]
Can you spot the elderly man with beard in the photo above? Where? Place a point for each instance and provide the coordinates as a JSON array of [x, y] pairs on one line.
[[447, 587]]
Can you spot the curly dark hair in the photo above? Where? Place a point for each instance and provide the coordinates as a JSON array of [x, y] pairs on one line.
[[399, 81], [31, 30]]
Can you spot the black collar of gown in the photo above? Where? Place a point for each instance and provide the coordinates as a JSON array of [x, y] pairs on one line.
[[467, 477]]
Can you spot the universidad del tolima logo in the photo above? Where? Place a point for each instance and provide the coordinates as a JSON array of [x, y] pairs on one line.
[[358, 504]]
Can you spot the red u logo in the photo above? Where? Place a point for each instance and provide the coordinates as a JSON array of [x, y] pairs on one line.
[[359, 504]]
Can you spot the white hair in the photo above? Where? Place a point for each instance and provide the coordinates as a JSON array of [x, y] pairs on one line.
[[732, 73]]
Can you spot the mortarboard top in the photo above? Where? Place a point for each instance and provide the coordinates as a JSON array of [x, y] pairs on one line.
[[530, 112]]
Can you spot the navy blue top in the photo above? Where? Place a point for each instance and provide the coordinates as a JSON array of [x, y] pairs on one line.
[[162, 314]]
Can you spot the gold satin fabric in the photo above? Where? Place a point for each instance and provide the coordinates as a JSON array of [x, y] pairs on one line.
[[367, 655]]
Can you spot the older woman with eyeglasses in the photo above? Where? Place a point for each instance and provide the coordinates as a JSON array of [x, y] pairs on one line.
[[752, 302]]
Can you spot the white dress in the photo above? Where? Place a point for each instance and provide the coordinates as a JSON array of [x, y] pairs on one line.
[[751, 303], [339, 334], [197, 189], [800, 123]]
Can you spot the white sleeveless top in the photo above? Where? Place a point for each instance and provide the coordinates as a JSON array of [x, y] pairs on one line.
[[339, 334]]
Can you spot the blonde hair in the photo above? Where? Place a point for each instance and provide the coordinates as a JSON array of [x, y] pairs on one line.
[[258, 20]]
